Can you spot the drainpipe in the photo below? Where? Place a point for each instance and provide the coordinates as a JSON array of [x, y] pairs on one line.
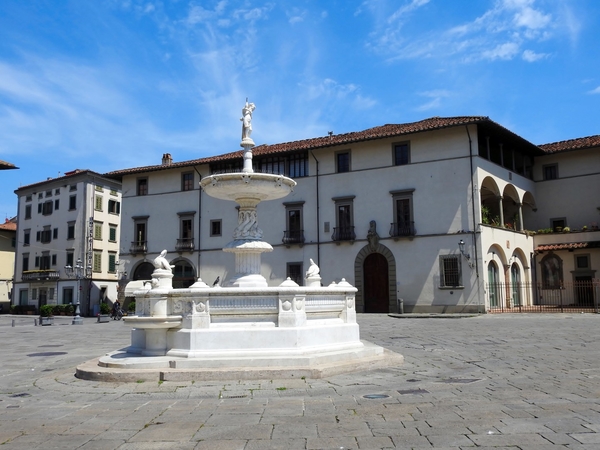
[[318, 216], [199, 220], [474, 241]]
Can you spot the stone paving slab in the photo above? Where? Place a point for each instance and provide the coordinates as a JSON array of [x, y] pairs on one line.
[[519, 382]]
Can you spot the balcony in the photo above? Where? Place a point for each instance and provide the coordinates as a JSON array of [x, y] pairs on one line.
[[138, 247], [40, 275], [185, 245], [343, 234], [402, 229], [293, 237]]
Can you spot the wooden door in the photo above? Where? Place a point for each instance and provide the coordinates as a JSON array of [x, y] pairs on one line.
[[376, 282]]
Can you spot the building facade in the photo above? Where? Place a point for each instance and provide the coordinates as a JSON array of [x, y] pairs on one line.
[[67, 223], [433, 216], [8, 233]]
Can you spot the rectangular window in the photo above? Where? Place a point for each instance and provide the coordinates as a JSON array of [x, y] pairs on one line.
[[450, 274], [51, 293], [344, 216], [25, 262], [112, 233], [70, 259], [46, 235], [71, 230], [99, 188], [298, 165], [550, 171], [140, 235], [98, 230], [112, 262], [342, 162], [403, 224], [295, 273], [401, 154], [114, 207], [142, 186], [57, 191], [67, 296], [272, 164], [49, 193], [186, 232], [72, 188], [187, 181], [26, 237], [558, 224], [28, 211], [98, 203], [55, 233], [47, 208], [582, 262], [56, 203], [97, 261], [72, 202], [34, 294], [28, 198], [54, 260], [215, 227], [294, 232], [45, 261]]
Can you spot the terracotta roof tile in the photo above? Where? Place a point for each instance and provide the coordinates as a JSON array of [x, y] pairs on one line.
[[572, 144], [567, 246], [380, 132]]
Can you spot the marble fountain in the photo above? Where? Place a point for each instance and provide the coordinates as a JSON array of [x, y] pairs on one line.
[[243, 329]]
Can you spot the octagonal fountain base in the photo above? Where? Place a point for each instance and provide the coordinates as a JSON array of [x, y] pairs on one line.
[[206, 333]]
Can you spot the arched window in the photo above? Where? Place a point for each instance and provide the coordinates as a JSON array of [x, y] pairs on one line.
[[184, 274], [493, 285], [552, 275], [515, 278], [143, 271]]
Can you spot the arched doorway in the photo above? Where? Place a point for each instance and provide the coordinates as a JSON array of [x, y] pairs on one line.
[[376, 282], [143, 271]]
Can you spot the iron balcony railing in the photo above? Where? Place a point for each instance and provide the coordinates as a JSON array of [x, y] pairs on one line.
[[293, 237], [186, 244], [33, 275], [402, 229], [139, 247], [343, 234]]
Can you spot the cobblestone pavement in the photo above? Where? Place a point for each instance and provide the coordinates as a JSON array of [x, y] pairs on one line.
[[528, 382]]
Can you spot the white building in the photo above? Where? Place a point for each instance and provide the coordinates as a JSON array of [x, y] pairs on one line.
[[431, 216], [60, 221]]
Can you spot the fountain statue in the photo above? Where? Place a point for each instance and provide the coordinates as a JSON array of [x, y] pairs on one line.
[[241, 327]]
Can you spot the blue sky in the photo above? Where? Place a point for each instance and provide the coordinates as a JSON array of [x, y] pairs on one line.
[[113, 84]]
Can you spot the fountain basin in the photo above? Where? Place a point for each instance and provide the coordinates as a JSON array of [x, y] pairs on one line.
[[247, 185]]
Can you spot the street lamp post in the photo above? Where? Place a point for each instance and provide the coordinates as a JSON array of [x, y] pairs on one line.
[[76, 272]]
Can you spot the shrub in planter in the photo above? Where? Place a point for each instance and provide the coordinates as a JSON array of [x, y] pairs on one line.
[[47, 311], [57, 310], [131, 306], [69, 310], [104, 308]]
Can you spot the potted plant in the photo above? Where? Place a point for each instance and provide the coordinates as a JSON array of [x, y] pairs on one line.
[[46, 315], [104, 315], [566, 230], [131, 307]]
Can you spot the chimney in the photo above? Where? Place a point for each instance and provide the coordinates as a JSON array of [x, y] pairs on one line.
[[167, 159]]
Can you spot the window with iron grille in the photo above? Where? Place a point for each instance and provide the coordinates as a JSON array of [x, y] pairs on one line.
[[450, 271], [295, 273]]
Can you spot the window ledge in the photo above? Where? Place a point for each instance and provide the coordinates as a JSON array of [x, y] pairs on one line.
[[450, 288]]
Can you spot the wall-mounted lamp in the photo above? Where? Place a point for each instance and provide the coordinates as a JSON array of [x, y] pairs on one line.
[[461, 247]]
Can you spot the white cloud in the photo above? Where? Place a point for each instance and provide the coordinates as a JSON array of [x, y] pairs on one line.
[[502, 51], [531, 56], [436, 96], [496, 35], [595, 91]]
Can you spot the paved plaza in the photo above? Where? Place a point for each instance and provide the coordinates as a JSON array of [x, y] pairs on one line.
[[494, 381]]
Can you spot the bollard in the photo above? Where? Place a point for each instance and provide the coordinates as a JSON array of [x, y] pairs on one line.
[[35, 322], [13, 322]]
